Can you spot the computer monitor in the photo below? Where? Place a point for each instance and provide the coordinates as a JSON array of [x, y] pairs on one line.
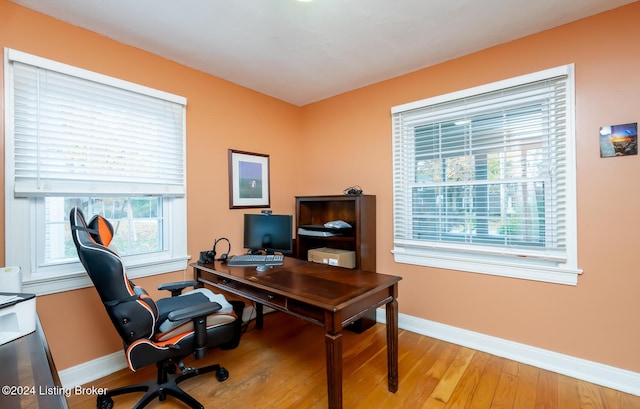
[[271, 233]]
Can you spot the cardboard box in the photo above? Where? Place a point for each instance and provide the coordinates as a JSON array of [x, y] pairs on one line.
[[333, 257]]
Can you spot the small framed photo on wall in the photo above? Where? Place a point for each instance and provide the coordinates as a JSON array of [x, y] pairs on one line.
[[619, 140], [248, 180]]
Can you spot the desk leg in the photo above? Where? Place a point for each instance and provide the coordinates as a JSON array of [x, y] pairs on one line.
[[259, 315], [333, 346], [392, 345]]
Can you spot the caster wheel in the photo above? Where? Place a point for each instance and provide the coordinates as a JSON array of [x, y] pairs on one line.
[[104, 402], [222, 374]]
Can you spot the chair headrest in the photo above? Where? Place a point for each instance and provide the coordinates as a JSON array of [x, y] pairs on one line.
[[99, 229], [103, 228]]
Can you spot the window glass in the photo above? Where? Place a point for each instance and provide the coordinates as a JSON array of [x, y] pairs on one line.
[[137, 224]]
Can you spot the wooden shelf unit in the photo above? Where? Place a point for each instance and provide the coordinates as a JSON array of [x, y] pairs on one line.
[[357, 210]]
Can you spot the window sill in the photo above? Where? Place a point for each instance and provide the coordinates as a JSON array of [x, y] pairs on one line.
[[55, 284], [527, 269]]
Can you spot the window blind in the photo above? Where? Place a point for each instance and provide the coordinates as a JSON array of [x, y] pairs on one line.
[[484, 173], [77, 135]]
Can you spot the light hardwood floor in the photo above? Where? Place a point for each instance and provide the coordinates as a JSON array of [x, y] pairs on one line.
[[282, 366]]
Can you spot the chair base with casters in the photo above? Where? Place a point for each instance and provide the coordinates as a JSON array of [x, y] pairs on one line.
[[172, 372], [165, 385]]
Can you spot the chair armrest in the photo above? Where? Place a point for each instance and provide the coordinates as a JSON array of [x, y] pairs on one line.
[[197, 314], [177, 287], [196, 311]]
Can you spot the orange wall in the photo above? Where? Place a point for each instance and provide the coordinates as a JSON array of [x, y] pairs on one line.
[[220, 116], [347, 141], [590, 320]]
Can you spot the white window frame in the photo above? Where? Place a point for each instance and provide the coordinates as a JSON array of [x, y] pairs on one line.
[[477, 259], [23, 215]]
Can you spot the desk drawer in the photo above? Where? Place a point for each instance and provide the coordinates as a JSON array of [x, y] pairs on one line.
[[258, 295]]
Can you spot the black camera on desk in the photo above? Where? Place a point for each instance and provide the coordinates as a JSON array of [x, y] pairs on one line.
[[206, 257]]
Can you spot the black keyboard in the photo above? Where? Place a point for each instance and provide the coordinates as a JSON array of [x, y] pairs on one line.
[[257, 260]]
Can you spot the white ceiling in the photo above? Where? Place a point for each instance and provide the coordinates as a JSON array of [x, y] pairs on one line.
[[302, 52]]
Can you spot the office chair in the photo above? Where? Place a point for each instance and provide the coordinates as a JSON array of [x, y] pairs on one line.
[[161, 332]]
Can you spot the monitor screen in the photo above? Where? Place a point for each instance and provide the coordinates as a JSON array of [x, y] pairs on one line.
[[268, 232]]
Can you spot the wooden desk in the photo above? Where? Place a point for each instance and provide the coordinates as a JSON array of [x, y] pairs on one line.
[[331, 297], [28, 375]]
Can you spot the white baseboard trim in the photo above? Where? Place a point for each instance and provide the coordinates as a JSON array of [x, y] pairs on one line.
[[91, 370], [608, 376], [600, 374]]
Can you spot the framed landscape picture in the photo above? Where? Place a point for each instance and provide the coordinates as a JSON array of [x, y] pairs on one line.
[[248, 180], [619, 140]]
